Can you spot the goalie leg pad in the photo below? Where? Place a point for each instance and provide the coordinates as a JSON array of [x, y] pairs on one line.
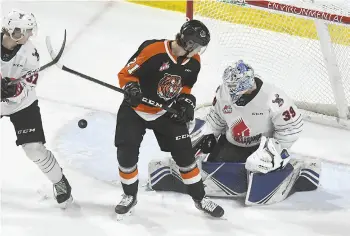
[[274, 186], [165, 176], [228, 180], [309, 176]]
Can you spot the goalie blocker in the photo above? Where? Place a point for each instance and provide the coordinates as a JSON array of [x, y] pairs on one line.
[[231, 179]]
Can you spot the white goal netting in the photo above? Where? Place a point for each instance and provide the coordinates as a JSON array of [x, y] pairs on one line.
[[302, 48]]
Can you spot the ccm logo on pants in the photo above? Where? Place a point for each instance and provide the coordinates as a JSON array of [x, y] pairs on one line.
[[25, 131], [182, 136]]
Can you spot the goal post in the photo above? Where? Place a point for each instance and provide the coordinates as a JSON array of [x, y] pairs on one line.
[[303, 48]]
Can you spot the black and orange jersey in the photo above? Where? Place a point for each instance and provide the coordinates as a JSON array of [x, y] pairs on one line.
[[161, 75]]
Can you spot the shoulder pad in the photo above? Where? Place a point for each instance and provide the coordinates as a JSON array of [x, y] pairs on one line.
[[277, 99], [31, 52]]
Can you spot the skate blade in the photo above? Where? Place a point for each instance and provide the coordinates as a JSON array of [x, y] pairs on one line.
[[120, 217], [67, 204], [209, 216]]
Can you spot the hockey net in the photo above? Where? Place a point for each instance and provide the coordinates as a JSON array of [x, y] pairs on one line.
[[303, 49]]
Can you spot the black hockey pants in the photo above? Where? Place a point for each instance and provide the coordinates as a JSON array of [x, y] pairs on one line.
[[171, 136]]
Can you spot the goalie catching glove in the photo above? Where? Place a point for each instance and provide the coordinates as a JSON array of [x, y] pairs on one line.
[[184, 105], [268, 157]]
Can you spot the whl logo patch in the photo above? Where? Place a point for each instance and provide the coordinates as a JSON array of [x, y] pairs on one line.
[[164, 66], [227, 109]]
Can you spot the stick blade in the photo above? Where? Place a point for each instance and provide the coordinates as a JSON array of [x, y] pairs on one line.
[[55, 57]]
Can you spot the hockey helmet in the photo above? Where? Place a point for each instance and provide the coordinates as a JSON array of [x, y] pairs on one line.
[[238, 79], [18, 24], [193, 35]]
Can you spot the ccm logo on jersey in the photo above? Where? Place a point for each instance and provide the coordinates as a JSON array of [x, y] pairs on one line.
[[189, 101], [182, 136], [151, 102], [25, 131]]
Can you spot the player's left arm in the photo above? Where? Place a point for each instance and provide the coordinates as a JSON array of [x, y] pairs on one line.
[[287, 123], [31, 68], [287, 120], [29, 72]]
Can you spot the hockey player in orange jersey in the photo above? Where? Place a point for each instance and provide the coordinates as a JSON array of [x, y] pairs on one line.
[[162, 71]]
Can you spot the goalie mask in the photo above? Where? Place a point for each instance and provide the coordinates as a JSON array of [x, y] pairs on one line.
[[19, 24], [194, 37], [238, 79]]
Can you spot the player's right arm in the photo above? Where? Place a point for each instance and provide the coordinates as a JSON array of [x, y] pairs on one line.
[[214, 121], [214, 126], [133, 70]]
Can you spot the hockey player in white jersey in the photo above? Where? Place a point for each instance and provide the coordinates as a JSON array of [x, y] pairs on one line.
[[249, 128], [20, 59]]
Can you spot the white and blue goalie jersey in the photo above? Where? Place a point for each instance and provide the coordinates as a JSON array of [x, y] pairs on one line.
[[270, 113]]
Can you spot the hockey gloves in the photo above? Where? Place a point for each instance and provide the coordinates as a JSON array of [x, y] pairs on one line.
[[7, 91], [184, 105], [268, 157], [207, 143], [133, 93]]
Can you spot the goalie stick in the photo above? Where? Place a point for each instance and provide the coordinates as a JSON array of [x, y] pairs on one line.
[[212, 173], [89, 78], [47, 65]]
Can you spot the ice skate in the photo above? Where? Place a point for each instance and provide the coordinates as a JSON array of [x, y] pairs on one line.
[[62, 193], [125, 206], [209, 207]]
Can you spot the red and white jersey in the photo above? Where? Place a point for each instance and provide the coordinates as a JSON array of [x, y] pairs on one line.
[[270, 113], [25, 60]]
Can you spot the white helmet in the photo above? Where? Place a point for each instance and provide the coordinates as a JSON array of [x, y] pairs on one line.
[[21, 22], [238, 79]]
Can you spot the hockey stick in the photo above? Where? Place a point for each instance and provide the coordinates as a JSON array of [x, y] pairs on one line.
[[212, 173], [54, 60], [104, 84], [58, 56]]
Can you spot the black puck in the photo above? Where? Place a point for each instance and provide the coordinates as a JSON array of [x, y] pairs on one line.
[[82, 123]]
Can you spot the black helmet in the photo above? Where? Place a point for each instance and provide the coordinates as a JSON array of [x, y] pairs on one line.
[[193, 34]]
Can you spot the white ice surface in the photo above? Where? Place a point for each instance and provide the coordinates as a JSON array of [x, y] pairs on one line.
[[89, 158]]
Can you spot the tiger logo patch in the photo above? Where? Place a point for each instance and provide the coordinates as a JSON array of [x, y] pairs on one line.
[[169, 86]]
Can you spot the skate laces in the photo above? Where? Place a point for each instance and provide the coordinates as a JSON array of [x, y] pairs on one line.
[[126, 200], [208, 205]]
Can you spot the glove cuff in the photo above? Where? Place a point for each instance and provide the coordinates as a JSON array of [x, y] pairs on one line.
[[187, 99]]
